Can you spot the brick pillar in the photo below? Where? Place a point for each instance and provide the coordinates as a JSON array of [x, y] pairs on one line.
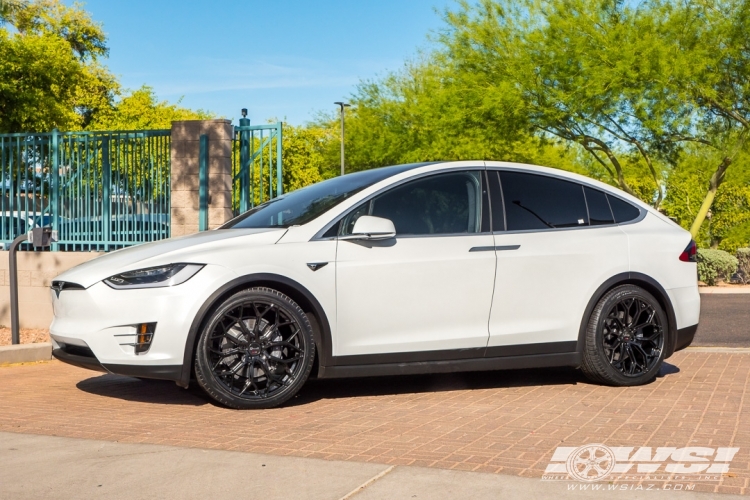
[[185, 162]]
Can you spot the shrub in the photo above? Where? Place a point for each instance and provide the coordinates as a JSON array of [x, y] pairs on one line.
[[715, 266], [743, 269]]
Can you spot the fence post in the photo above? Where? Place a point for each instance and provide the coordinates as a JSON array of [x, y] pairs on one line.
[[55, 192], [106, 194], [244, 165], [186, 182], [279, 184], [203, 184]]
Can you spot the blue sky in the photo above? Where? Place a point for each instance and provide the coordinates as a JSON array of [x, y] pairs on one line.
[[287, 59]]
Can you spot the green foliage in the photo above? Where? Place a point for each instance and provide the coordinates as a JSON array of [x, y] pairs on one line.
[[304, 155], [715, 266], [49, 71], [729, 218], [743, 267], [142, 110], [51, 75]]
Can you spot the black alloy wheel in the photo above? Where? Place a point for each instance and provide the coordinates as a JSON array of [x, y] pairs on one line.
[[632, 336], [255, 351], [625, 338]]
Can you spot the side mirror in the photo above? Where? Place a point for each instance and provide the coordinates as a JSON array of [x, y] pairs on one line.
[[371, 228]]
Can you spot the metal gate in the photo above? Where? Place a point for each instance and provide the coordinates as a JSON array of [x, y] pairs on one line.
[[256, 164], [99, 190]]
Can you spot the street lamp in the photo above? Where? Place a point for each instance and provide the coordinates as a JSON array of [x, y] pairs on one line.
[[342, 105]]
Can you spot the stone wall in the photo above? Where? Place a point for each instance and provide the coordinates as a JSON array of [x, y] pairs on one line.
[[35, 273]]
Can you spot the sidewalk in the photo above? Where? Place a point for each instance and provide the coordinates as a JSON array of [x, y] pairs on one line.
[[45, 467], [506, 423]]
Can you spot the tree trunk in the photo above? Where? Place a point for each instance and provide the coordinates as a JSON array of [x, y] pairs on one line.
[[713, 186]]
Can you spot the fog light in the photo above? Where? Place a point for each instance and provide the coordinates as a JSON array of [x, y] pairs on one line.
[[144, 336]]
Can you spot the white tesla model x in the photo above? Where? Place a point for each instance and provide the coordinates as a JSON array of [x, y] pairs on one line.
[[407, 269]]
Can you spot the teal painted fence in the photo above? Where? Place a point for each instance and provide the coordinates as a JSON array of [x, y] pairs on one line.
[[100, 190], [256, 164]]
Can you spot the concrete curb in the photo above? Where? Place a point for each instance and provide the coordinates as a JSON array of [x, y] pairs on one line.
[[721, 290], [25, 353], [730, 350]]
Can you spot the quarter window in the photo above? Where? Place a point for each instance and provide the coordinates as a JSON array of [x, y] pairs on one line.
[[534, 202], [622, 210], [441, 204], [599, 212]]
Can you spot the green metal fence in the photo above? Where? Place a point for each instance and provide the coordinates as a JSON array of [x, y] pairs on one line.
[[256, 164], [99, 190]]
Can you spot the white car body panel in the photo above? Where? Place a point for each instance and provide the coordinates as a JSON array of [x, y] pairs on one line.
[[543, 287], [414, 294], [93, 317]]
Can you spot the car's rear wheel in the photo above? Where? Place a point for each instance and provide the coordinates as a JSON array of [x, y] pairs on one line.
[[625, 338], [255, 351]]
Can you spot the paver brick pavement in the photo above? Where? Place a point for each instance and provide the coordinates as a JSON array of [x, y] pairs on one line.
[[506, 422]]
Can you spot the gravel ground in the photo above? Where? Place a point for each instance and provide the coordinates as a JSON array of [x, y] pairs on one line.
[[28, 335]]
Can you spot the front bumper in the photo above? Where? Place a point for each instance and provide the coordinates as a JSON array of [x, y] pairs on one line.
[[95, 328], [78, 356]]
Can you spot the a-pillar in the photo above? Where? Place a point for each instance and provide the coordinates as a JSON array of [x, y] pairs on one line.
[[185, 160]]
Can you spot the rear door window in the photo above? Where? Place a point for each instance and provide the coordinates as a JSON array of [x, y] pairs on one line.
[[536, 202]]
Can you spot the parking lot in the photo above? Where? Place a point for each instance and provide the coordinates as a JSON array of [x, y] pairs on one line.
[[506, 423]]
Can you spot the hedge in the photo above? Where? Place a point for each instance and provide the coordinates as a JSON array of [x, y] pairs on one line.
[[715, 265]]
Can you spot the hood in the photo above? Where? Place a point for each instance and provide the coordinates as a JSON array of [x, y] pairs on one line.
[[163, 252]]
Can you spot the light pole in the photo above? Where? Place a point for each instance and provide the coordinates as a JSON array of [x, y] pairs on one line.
[[342, 105]]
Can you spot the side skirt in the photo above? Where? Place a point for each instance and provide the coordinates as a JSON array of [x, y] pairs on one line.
[[451, 366]]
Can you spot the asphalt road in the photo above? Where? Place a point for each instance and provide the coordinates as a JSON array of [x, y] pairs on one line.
[[725, 321]]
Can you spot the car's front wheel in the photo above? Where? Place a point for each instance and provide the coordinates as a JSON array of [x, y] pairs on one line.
[[625, 338], [255, 351]]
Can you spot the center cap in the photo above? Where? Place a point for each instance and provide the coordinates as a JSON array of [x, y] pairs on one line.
[[254, 349]]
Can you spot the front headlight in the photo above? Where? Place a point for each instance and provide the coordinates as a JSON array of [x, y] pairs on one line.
[[153, 277]]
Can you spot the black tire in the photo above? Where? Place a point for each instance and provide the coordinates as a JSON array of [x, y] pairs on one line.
[[625, 338], [255, 351]]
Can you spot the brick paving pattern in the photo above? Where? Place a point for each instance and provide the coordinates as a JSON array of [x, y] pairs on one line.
[[499, 422]]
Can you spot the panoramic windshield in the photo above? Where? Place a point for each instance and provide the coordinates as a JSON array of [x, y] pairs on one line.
[[302, 206]]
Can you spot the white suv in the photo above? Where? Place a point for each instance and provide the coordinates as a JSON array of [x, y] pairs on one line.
[[407, 269]]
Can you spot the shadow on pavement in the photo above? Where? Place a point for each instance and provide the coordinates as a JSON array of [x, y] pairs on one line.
[[165, 392], [413, 384], [667, 369], [142, 391]]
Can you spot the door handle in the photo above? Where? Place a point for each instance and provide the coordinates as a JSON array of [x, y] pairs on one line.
[[496, 248]]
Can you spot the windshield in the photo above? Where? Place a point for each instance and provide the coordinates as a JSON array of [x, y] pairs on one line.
[[301, 206]]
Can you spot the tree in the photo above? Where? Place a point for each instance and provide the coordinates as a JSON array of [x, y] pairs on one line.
[[142, 110], [584, 71], [50, 74], [304, 155], [711, 71]]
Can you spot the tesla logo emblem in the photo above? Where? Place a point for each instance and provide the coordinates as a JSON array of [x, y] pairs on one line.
[[316, 265], [58, 287]]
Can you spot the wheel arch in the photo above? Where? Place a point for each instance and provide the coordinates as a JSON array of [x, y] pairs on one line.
[[647, 283], [297, 292]]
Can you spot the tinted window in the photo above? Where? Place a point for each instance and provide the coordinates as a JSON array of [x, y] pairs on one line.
[[540, 202], [622, 210], [441, 204], [304, 205], [599, 212]]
